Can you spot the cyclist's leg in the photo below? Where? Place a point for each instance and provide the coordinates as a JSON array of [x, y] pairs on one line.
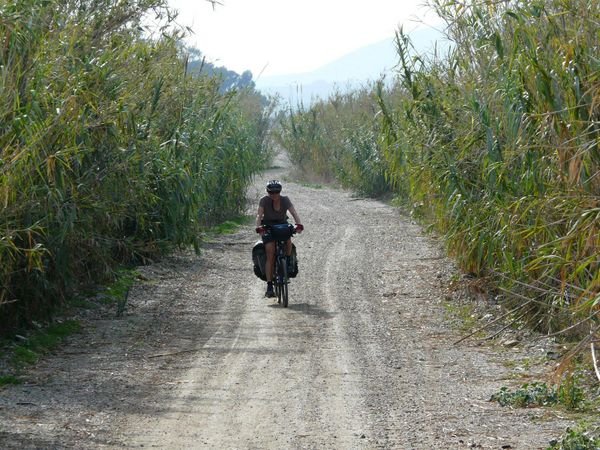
[[270, 259], [270, 252]]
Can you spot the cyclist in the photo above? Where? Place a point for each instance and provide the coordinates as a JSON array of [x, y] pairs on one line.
[[273, 209]]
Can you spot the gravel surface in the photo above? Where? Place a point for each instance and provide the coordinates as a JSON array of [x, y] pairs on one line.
[[363, 357]]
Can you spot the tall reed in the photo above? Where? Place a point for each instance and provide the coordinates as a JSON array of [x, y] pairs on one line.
[[507, 135], [111, 152], [337, 139], [494, 143]]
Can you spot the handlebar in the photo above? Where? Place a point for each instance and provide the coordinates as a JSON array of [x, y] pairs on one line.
[[298, 228]]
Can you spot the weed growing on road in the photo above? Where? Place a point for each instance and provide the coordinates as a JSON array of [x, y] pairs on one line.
[[231, 226], [42, 342], [463, 314], [529, 394], [576, 439], [14, 358], [8, 379], [118, 291], [568, 394]]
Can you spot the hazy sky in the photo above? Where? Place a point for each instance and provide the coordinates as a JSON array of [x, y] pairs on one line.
[[291, 36]]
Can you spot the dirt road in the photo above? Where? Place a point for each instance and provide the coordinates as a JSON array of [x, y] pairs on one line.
[[363, 357]]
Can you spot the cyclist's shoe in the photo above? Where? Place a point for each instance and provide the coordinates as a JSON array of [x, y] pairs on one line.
[[270, 293]]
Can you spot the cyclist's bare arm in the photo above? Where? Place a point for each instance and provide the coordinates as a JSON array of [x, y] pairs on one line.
[[295, 215], [259, 216]]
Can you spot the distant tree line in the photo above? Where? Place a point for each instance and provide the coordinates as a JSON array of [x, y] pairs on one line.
[[230, 80]]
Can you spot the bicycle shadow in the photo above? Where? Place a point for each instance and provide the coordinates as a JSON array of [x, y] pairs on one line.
[[308, 309]]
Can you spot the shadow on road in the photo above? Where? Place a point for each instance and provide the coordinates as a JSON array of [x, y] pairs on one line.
[[308, 309]]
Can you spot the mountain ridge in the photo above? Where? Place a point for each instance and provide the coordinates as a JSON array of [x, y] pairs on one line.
[[350, 71]]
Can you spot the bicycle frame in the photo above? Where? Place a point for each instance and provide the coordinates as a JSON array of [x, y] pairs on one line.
[[280, 271]]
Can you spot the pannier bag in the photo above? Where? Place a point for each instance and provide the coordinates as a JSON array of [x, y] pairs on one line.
[[259, 259]]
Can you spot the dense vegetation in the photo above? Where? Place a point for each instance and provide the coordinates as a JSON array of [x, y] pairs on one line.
[[111, 152], [495, 143]]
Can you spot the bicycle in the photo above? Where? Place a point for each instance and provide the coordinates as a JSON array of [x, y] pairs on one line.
[[281, 233]]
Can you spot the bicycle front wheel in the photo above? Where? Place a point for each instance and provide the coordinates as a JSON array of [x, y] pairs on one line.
[[278, 289], [284, 283], [278, 279]]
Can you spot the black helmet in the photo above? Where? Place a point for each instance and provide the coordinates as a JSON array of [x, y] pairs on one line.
[[274, 186]]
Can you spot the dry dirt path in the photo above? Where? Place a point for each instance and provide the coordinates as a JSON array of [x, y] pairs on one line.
[[363, 358]]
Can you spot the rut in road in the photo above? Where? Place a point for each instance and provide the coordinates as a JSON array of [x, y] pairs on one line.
[[363, 356]]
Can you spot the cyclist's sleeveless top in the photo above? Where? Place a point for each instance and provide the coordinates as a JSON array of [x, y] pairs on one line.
[[271, 216]]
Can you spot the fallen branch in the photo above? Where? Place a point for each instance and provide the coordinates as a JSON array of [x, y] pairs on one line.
[[575, 325], [8, 302], [566, 359], [512, 322], [493, 322], [595, 360], [593, 347]]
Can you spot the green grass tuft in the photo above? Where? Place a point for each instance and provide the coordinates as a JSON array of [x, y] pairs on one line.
[[118, 292], [232, 225], [9, 379], [43, 342]]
